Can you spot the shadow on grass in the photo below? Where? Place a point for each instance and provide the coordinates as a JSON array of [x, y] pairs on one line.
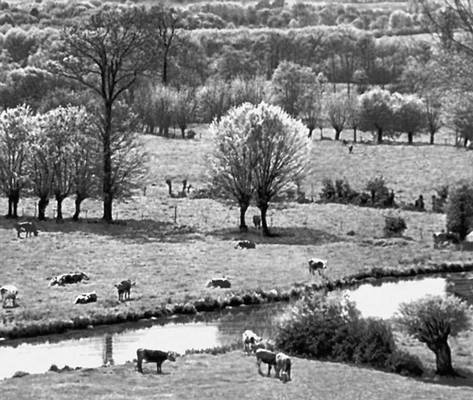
[[141, 231], [288, 236], [464, 380]]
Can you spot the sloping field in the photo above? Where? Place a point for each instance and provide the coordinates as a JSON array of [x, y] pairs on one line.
[[230, 376]]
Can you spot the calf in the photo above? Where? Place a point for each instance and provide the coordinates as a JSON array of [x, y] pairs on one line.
[[442, 238], [245, 244], [257, 221], [85, 298], [9, 292], [283, 367], [27, 227], [156, 356], [124, 289], [65, 279], [223, 283], [267, 357], [317, 264], [249, 339]]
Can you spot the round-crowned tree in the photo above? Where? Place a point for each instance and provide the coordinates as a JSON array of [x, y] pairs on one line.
[[260, 150], [431, 320]]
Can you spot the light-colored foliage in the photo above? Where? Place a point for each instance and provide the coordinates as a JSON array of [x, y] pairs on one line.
[[376, 111], [409, 113], [15, 136], [434, 318]]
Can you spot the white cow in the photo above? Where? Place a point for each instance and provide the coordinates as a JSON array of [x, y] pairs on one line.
[[249, 339], [9, 292]]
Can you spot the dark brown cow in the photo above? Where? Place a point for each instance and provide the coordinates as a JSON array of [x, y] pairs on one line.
[[156, 356]]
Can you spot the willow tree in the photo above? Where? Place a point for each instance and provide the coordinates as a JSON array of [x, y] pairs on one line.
[[431, 320], [15, 135], [106, 53], [279, 150], [260, 150], [231, 163]]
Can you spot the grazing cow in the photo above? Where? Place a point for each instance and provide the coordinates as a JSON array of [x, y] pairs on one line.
[[283, 367], [257, 221], [267, 357], [156, 356], [317, 264], [27, 227], [9, 292], [245, 244], [249, 339], [124, 288], [223, 283], [85, 298], [444, 238], [64, 279]]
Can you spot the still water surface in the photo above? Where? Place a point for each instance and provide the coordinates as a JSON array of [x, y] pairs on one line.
[[117, 344]]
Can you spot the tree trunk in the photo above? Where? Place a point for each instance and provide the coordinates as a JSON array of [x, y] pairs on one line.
[[380, 135], [465, 142], [107, 165], [165, 66], [59, 200], [264, 224], [16, 200], [443, 358], [354, 134], [42, 204], [321, 133], [337, 133], [410, 137], [10, 207], [432, 134], [13, 200], [243, 208], [78, 202], [183, 131], [311, 129]]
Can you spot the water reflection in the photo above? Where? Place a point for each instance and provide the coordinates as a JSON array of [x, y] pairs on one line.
[[117, 344]]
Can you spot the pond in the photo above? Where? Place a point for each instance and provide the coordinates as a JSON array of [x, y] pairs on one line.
[[117, 344]]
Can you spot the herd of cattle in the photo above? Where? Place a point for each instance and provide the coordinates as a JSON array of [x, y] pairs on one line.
[[264, 350]]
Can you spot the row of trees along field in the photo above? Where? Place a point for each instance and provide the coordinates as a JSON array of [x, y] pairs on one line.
[[400, 18], [110, 59], [58, 154]]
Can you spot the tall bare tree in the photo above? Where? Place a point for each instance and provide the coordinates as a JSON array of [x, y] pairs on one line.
[[106, 54]]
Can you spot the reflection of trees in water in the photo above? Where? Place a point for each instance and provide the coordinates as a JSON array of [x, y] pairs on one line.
[[108, 350], [262, 320]]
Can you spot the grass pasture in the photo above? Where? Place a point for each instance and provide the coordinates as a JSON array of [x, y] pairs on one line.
[[231, 376], [171, 260]]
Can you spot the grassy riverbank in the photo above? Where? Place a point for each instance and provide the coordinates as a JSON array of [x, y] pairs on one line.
[[230, 376]]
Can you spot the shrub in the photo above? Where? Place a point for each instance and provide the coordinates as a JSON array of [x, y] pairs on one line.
[[330, 328], [438, 205], [380, 194], [460, 209], [404, 363], [394, 226]]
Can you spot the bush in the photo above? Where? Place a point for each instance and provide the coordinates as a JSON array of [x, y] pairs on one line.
[[330, 328], [394, 226], [404, 363], [439, 200], [381, 196], [460, 209]]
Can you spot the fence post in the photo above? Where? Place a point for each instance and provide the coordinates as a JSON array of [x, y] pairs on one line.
[[175, 214]]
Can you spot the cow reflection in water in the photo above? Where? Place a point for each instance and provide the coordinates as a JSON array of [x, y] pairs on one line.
[[108, 351]]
